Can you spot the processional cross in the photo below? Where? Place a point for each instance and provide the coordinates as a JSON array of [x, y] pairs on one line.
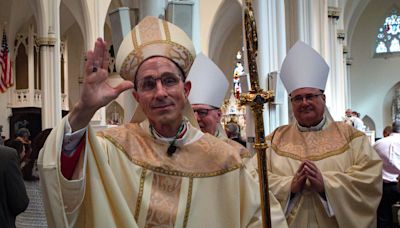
[[256, 98]]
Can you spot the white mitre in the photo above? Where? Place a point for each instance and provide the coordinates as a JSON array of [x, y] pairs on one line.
[[209, 84], [303, 67]]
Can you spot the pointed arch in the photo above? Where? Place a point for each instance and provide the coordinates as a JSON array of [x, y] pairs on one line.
[[369, 123], [115, 113], [226, 36]]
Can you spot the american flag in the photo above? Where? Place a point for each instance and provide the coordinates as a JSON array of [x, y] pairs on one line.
[[6, 80]]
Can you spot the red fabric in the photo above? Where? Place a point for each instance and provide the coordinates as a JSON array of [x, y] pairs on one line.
[[68, 164]]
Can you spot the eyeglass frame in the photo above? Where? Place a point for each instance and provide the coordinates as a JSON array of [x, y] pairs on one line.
[[205, 111], [308, 97], [177, 75]]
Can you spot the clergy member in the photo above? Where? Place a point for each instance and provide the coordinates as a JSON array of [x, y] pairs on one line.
[[324, 173], [159, 170], [209, 87]]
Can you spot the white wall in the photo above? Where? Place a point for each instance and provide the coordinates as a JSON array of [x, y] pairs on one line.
[[372, 78]]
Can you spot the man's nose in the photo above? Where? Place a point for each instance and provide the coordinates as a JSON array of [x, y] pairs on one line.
[[160, 89]]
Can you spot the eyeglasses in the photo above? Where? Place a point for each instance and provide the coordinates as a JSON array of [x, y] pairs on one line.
[[203, 112], [149, 83], [309, 98]]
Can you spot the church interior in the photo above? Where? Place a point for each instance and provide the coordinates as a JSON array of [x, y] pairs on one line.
[[359, 39]]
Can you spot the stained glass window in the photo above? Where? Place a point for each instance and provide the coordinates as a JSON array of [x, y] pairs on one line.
[[387, 40]]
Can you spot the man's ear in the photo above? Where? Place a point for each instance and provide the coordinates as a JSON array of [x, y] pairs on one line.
[[187, 87], [219, 114], [135, 95]]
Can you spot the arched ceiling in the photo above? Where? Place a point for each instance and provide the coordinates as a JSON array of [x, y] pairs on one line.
[[226, 35], [352, 12], [9, 8], [71, 12]]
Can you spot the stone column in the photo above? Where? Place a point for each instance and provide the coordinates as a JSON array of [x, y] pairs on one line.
[[65, 95], [270, 19], [308, 22], [336, 86], [31, 65], [49, 42], [154, 8], [96, 12]]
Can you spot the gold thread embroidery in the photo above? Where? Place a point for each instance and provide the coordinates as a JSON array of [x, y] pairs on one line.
[[166, 31], [134, 39], [138, 49], [312, 158], [171, 172], [245, 155], [140, 194], [188, 203], [319, 157], [356, 135], [294, 210], [164, 201]]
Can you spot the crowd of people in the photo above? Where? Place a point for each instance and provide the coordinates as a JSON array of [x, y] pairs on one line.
[[174, 165]]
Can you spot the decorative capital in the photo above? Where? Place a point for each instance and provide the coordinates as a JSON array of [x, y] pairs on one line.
[[349, 61], [46, 41], [345, 49], [334, 12], [341, 35]]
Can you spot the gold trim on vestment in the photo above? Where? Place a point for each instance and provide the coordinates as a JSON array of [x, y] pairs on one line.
[[188, 203], [171, 172], [293, 212], [164, 201], [134, 39], [291, 146], [245, 155], [137, 54], [312, 158], [166, 31], [140, 194]]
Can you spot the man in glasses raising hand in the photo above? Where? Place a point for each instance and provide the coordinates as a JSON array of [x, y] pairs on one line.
[[159, 170]]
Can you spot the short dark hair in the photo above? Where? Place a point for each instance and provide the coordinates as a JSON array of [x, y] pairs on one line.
[[22, 132]]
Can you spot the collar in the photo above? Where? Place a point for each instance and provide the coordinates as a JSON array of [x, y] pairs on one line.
[[317, 127], [182, 132], [191, 134]]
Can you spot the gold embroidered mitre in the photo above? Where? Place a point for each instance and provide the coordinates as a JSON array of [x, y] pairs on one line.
[[154, 37]]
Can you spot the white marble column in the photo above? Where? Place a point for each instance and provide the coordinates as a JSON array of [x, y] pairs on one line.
[[270, 19], [154, 8], [96, 12], [31, 65], [49, 42], [336, 86], [65, 95], [348, 60]]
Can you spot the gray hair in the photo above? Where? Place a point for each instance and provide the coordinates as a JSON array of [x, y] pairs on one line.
[[396, 126], [232, 129]]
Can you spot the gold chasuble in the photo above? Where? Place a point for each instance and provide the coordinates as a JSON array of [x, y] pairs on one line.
[[126, 179], [351, 171]]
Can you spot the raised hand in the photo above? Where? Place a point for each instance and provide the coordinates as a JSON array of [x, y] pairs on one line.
[[96, 92]]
